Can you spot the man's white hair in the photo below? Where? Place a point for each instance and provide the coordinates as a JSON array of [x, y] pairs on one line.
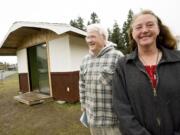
[[98, 28]]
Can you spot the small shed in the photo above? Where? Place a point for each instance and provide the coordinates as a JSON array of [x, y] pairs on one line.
[[48, 55]]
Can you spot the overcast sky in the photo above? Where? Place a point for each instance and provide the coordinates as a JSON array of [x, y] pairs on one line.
[[62, 11]]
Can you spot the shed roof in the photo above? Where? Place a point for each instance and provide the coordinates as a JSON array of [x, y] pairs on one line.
[[19, 30]]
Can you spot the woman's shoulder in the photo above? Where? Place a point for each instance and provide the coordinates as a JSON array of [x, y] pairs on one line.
[[122, 61], [127, 57], [177, 54], [172, 54]]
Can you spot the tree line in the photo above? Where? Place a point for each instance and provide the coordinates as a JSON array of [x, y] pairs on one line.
[[116, 34]]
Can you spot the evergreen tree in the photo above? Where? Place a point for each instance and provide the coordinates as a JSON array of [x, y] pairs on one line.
[[94, 19], [116, 37], [125, 29], [88, 23], [78, 23], [110, 34], [74, 23]]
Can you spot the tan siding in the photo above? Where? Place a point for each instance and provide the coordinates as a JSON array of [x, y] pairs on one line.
[[78, 49], [43, 36], [59, 54]]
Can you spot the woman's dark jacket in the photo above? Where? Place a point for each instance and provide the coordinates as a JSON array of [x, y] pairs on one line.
[[140, 111]]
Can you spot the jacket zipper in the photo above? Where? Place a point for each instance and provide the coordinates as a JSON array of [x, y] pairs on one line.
[[154, 92], [153, 89], [157, 79], [155, 95]]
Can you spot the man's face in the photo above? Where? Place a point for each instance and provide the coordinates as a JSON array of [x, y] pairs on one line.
[[95, 41]]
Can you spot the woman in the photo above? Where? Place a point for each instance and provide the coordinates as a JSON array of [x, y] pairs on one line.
[[146, 84]]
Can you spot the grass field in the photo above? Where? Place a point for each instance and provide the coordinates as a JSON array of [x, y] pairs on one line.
[[42, 119]]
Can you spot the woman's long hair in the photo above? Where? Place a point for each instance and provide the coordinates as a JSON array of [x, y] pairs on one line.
[[165, 37]]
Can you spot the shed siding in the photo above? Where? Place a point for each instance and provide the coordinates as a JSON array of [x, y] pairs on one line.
[[65, 86], [59, 54], [23, 82], [22, 61], [78, 49]]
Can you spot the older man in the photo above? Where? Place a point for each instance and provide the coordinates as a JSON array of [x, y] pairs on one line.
[[95, 82]]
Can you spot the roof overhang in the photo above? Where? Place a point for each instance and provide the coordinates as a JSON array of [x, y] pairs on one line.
[[20, 30], [7, 52]]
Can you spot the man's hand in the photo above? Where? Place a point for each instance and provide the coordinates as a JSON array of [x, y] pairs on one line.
[[83, 109]]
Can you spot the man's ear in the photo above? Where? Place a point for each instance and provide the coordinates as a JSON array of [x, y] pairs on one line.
[[104, 37]]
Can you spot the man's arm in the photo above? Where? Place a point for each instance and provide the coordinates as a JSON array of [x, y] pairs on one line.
[[82, 89]]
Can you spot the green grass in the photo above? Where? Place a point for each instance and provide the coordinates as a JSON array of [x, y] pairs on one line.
[[42, 119]]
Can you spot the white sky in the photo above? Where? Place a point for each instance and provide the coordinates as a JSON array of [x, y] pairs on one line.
[[62, 11]]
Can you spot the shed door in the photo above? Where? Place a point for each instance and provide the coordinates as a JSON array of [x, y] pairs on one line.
[[38, 68]]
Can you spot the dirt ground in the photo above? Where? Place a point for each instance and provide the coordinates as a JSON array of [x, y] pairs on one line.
[[42, 119]]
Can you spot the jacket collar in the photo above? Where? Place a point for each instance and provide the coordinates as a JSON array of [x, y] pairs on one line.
[[104, 50], [168, 55]]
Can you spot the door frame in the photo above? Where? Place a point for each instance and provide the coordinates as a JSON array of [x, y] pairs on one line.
[[48, 68]]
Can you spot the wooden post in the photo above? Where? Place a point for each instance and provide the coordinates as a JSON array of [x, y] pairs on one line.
[[1, 76]]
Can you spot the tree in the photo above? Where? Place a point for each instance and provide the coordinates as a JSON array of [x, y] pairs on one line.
[[109, 33], [78, 23], [74, 23], [116, 37], [94, 19], [125, 29]]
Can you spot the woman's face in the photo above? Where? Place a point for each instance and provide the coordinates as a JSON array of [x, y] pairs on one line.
[[145, 30]]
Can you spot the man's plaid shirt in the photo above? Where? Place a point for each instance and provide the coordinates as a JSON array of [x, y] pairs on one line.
[[96, 87]]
